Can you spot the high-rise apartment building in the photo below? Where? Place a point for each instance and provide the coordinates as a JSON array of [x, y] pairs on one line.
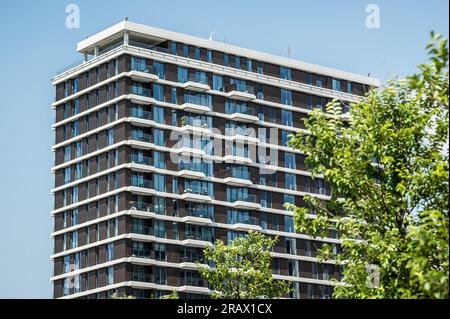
[[165, 143]]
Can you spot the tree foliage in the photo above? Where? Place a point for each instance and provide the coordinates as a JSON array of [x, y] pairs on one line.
[[386, 161], [242, 269]]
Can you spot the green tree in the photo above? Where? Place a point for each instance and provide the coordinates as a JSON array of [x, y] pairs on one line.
[[386, 162], [242, 269]]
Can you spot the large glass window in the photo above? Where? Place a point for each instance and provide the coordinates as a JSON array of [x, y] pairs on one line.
[[159, 69], [226, 60], [158, 137], [336, 85], [197, 53], [182, 75], [138, 64], [186, 50], [158, 92], [209, 56], [290, 181], [286, 97], [159, 115], [285, 137], [160, 159], [159, 182], [67, 175], [286, 118], [217, 82], [289, 160], [285, 73]]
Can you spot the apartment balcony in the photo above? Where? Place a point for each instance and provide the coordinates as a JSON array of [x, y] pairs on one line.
[[190, 151], [195, 108], [142, 74], [236, 93], [141, 95], [248, 201], [235, 159], [141, 206], [142, 253], [137, 115], [142, 230], [243, 114], [198, 217], [140, 159], [237, 178], [148, 278], [238, 134], [196, 83], [197, 196], [191, 174], [247, 224], [188, 125]]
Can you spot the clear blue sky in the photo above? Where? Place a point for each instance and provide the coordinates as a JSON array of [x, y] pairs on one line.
[[35, 44]]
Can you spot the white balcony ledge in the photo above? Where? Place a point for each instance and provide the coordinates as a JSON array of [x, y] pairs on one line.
[[242, 96], [196, 220], [141, 99], [237, 159], [195, 86], [141, 76], [245, 138], [195, 108], [193, 289], [246, 227], [191, 174], [233, 181], [195, 243], [196, 129], [188, 151], [240, 204], [241, 117], [198, 198]]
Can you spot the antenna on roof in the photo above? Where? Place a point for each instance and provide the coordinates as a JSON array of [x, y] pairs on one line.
[[289, 51], [223, 40], [126, 18], [211, 34], [368, 75]]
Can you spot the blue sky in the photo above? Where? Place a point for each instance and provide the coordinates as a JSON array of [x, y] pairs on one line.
[[35, 44]]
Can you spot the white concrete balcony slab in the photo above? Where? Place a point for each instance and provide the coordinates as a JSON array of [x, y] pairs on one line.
[[189, 151], [246, 227], [198, 198], [233, 181], [195, 86], [195, 108], [141, 99], [191, 174], [245, 138], [242, 96], [194, 220], [237, 159], [195, 129], [142, 76], [240, 204], [191, 242], [193, 289], [242, 117]]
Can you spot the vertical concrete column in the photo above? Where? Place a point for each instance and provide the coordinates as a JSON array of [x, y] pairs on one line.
[[126, 38], [96, 51]]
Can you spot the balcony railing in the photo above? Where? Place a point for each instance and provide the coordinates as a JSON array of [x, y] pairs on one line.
[[198, 78], [245, 89], [196, 190], [140, 91], [139, 182], [142, 206], [143, 277], [141, 137], [192, 259], [141, 68], [141, 159], [192, 121], [142, 230], [237, 174], [141, 253], [198, 236], [198, 282], [200, 212], [244, 197], [242, 109], [244, 220], [141, 114]]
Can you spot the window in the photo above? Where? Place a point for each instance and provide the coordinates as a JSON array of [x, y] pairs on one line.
[[217, 82], [288, 224], [249, 65], [160, 228], [285, 73], [260, 92], [75, 239], [186, 50], [289, 160], [226, 60], [182, 75], [349, 87], [160, 252], [110, 252], [159, 182], [78, 170], [286, 118], [290, 181], [209, 56], [138, 64], [309, 102], [159, 69], [66, 262], [75, 194], [65, 89], [116, 67], [173, 48], [67, 175], [286, 97], [158, 115], [197, 53], [110, 275], [75, 128], [260, 68], [158, 137], [75, 85], [237, 62], [110, 136], [285, 137], [160, 159], [78, 149], [160, 275], [336, 85], [265, 199], [173, 98], [319, 82], [158, 92], [76, 106]]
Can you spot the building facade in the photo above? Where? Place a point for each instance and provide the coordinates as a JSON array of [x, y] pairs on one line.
[[165, 143]]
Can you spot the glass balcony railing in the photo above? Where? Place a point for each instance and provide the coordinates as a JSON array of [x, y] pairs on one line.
[[193, 189], [142, 230], [240, 108], [143, 277], [138, 90], [193, 281], [200, 212], [198, 78], [142, 206], [192, 259], [141, 137], [141, 114], [240, 88], [249, 220], [200, 236], [244, 197], [141, 159], [237, 174], [141, 68], [139, 182], [141, 253], [196, 122]]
